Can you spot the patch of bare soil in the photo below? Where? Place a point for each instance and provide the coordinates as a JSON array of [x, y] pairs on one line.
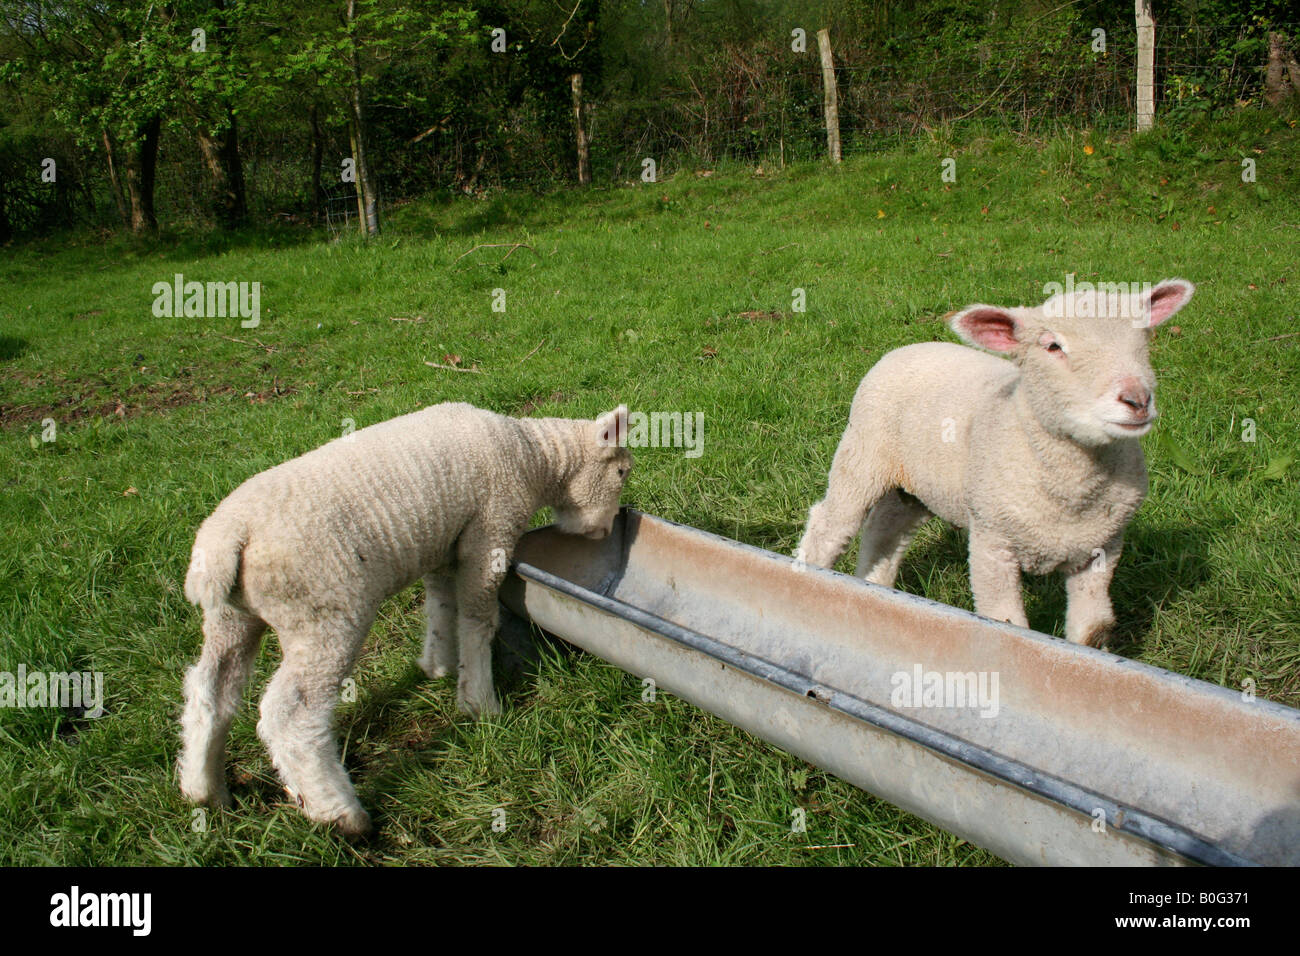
[[86, 399], [537, 401]]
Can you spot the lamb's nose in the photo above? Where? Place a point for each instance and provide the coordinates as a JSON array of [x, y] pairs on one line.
[[1136, 397]]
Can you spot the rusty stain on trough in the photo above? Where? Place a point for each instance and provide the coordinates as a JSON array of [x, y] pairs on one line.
[[1085, 757]]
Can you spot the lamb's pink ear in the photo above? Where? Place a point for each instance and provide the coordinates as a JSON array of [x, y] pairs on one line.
[[611, 428], [1166, 299], [986, 326]]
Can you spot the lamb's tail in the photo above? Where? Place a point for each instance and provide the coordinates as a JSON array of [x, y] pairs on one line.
[[214, 563]]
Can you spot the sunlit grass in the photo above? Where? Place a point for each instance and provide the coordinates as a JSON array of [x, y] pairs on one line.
[[673, 296]]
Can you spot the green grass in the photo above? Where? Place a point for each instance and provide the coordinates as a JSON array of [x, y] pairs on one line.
[[673, 296]]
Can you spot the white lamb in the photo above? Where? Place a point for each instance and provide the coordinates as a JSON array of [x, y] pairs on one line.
[[1037, 456], [313, 546]]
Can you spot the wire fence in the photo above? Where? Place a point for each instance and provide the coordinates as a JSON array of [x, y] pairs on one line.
[[748, 104], [277, 170], [770, 108]]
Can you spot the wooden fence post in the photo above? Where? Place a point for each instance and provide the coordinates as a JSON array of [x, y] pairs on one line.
[[831, 98], [584, 157], [1146, 65]]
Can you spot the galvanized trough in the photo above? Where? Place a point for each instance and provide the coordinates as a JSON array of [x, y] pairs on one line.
[[1061, 741]]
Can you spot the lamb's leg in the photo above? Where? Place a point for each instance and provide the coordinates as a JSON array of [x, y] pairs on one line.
[[886, 534], [1088, 613], [481, 569], [995, 579], [298, 716], [439, 658], [214, 688], [856, 483]]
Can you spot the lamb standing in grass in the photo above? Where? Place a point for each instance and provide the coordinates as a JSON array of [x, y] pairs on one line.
[[313, 546], [1037, 456]]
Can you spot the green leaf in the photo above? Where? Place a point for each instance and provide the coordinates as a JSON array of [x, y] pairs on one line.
[[1277, 467], [1169, 449]]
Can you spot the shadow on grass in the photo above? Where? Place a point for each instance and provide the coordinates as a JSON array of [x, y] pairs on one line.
[[173, 245], [1159, 564], [190, 246], [11, 347], [386, 741], [435, 216], [443, 216], [384, 738]]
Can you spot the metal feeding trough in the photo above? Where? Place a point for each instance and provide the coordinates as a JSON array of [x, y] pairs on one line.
[[1057, 754]]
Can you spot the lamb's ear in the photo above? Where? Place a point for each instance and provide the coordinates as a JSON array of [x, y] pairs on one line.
[[1166, 299], [986, 326], [611, 428]]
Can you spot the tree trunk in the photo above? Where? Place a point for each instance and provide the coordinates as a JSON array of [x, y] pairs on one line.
[[226, 194], [831, 101], [141, 165], [356, 179], [368, 192], [116, 182], [479, 162], [225, 174], [1146, 64], [584, 157], [1282, 76]]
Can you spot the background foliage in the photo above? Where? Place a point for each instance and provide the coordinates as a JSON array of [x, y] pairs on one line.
[[686, 82]]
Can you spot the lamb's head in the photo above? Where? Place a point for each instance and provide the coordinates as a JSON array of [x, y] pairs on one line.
[[1083, 356], [590, 497]]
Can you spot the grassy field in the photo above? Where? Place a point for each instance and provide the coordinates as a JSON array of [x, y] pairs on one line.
[[670, 296]]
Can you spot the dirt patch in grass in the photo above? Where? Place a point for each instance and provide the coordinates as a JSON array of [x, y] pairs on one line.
[[537, 401], [83, 400]]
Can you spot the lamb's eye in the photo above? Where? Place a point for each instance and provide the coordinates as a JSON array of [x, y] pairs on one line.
[[1054, 347], [622, 472]]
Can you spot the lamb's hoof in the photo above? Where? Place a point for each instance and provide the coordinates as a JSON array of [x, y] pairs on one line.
[[809, 555], [216, 796], [480, 706], [355, 824], [434, 671], [351, 821], [1098, 635]]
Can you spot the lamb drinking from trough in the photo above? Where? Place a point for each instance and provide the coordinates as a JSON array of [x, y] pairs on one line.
[[313, 546]]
